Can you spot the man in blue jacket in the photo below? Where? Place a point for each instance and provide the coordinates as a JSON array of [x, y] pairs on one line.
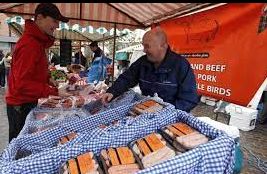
[[160, 71]]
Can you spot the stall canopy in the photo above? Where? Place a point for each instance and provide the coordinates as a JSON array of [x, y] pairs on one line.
[[66, 33], [124, 15], [59, 34]]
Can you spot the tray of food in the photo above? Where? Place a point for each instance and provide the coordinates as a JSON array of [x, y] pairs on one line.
[[151, 150], [67, 138], [145, 107], [85, 163], [120, 160], [182, 136]]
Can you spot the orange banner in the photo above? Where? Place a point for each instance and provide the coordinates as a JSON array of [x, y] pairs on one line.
[[227, 48]]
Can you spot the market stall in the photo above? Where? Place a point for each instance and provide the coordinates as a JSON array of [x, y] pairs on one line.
[[132, 134]]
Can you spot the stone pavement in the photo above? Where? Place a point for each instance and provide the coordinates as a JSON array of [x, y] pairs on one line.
[[3, 121], [254, 141]]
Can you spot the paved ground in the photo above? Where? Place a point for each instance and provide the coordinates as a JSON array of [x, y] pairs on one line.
[[3, 122], [254, 141]]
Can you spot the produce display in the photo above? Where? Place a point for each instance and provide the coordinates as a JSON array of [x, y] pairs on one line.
[[58, 75]]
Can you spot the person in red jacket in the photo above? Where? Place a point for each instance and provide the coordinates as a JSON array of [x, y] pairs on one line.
[[29, 77]]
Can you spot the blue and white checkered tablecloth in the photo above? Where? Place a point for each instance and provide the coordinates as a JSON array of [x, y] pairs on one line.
[[55, 117], [59, 116], [216, 156], [36, 143], [49, 138]]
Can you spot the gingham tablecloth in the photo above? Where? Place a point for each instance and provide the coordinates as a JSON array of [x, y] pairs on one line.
[[216, 156], [35, 143], [56, 117]]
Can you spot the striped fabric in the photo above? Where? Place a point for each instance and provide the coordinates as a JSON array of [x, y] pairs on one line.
[[126, 15]]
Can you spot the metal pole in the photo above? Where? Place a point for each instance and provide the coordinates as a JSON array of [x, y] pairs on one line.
[[103, 43], [80, 53], [114, 51]]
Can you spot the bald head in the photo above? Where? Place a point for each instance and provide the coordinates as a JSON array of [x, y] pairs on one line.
[[155, 45], [157, 34]]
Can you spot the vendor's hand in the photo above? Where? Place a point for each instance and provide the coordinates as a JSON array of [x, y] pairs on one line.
[[106, 98]]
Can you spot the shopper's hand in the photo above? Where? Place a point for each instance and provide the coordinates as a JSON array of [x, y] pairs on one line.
[[53, 82], [106, 98]]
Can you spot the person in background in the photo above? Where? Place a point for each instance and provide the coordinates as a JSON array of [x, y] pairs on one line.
[[97, 51], [123, 65], [80, 59], [55, 59], [2, 70], [7, 62], [29, 75], [98, 69], [160, 71]]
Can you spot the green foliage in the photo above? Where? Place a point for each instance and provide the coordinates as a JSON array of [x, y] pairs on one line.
[[58, 75]]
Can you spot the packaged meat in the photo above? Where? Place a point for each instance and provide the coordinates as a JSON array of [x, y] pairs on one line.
[[67, 138], [48, 102], [79, 101], [75, 101], [183, 137], [103, 126], [144, 107], [119, 160], [152, 149], [67, 103], [41, 116], [84, 164], [37, 130]]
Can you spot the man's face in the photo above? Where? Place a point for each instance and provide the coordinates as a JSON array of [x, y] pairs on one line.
[[152, 48], [48, 24], [93, 48]]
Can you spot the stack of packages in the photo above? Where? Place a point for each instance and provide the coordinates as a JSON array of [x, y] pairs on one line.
[[80, 97], [119, 160], [144, 107], [152, 149], [84, 164], [184, 137]]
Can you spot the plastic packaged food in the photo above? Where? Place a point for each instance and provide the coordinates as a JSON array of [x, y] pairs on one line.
[[144, 107], [152, 149], [183, 137], [119, 160], [67, 138], [85, 163]]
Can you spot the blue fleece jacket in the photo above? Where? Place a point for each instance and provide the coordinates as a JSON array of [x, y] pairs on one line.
[[173, 80]]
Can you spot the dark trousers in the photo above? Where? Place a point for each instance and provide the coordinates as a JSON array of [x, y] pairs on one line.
[[2, 77], [16, 117], [7, 74]]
